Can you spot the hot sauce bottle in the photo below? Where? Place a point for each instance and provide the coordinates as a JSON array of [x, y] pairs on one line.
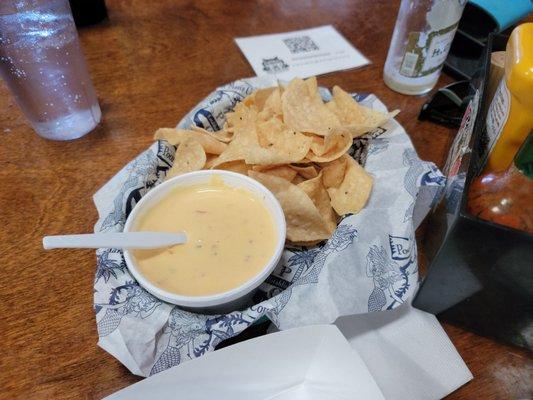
[[503, 193], [506, 198]]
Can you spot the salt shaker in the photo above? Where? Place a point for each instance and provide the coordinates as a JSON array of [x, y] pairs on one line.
[[420, 43]]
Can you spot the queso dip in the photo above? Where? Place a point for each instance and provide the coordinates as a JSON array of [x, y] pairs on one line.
[[231, 238]]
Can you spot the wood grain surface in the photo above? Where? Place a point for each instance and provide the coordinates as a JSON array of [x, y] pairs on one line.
[[151, 62]]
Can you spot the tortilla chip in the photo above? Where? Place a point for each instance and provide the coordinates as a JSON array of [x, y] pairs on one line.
[[330, 147], [177, 136], [298, 179], [273, 143], [306, 171], [265, 143], [227, 128], [235, 166], [293, 143], [304, 222], [283, 171], [240, 116], [272, 107], [244, 136], [318, 194], [354, 191], [236, 151], [333, 172], [304, 162], [190, 156], [354, 117], [304, 110], [258, 98], [221, 135], [210, 160], [311, 243]]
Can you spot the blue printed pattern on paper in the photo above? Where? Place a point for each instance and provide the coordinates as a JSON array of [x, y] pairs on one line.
[[126, 299], [191, 335], [411, 160], [109, 263], [391, 273], [309, 263], [210, 114]]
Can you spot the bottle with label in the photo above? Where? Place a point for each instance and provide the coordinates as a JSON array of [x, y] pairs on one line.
[[420, 43], [510, 116], [503, 193]]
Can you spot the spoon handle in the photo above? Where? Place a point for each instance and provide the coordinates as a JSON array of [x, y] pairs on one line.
[[122, 240]]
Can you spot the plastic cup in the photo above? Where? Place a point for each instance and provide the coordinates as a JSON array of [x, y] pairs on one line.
[[43, 66]]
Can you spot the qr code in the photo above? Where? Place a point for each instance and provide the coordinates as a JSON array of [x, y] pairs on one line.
[[300, 44]]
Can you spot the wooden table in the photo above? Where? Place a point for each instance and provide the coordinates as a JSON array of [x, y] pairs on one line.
[[150, 64]]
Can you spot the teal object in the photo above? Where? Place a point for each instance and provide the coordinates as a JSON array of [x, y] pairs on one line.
[[505, 12]]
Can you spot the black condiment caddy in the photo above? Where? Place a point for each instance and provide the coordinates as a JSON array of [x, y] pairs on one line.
[[480, 274]]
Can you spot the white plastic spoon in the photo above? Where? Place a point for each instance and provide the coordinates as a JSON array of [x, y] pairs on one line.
[[122, 240]]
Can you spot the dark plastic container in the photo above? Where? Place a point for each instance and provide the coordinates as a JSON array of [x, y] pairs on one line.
[[88, 12], [480, 274]]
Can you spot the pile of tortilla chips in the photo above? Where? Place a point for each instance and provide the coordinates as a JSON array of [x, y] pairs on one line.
[[296, 145]]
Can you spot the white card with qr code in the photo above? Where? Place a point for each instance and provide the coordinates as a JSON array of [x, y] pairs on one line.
[[301, 54]]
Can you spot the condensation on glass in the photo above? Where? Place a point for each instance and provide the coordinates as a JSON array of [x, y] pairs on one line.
[[43, 66]]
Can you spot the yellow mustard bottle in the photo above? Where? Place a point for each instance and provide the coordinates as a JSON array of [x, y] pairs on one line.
[[510, 115]]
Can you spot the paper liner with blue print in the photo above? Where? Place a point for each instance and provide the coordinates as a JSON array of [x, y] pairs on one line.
[[368, 265]]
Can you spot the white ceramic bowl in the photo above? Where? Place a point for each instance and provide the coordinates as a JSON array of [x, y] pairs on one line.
[[236, 297]]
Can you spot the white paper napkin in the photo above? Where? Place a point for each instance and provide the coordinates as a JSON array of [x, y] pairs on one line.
[[407, 352], [311, 363], [403, 354], [300, 54]]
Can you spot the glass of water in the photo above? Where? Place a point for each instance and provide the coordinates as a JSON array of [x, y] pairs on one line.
[[43, 66]]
